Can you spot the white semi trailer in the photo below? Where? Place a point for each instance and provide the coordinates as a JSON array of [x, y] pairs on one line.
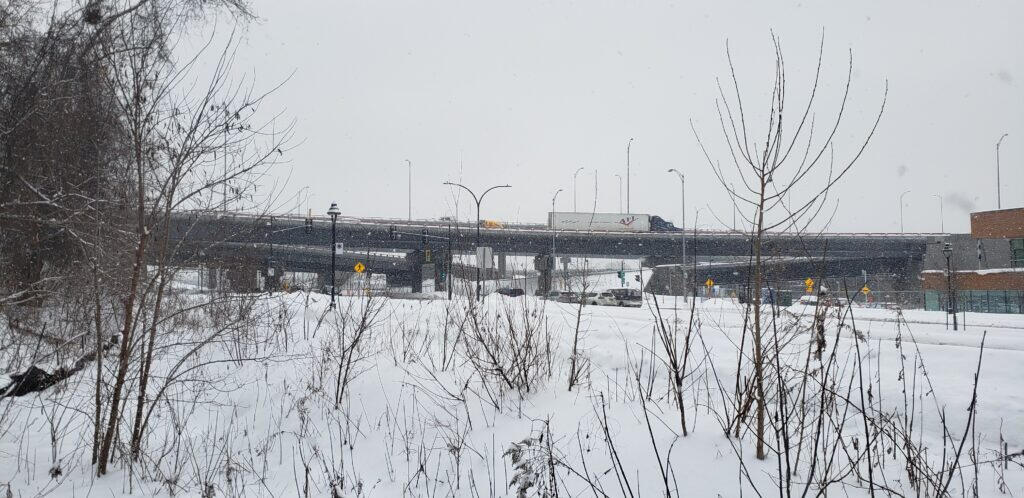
[[600, 222]]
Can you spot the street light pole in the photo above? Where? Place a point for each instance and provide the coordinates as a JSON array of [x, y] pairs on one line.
[[410, 188], [682, 202], [620, 191], [333, 212], [628, 145], [733, 187], [999, 196], [901, 209], [477, 200], [947, 250], [942, 217], [574, 188], [553, 232]]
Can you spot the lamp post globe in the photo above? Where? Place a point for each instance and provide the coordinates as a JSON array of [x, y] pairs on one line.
[[947, 251], [333, 211]]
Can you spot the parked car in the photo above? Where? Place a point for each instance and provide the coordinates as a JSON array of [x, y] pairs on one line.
[[607, 299], [568, 297], [628, 297], [511, 292], [808, 300]]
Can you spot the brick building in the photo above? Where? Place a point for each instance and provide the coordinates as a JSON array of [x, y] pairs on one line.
[[995, 284]]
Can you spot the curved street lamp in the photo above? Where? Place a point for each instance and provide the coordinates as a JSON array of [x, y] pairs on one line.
[[410, 188], [682, 189], [551, 265], [905, 192], [620, 191], [477, 200], [999, 195], [574, 188], [942, 217]]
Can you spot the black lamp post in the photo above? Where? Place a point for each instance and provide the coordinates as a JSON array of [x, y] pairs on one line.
[[947, 250], [333, 212], [477, 200]]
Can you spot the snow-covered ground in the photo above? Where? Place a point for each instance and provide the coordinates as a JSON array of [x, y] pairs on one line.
[[425, 413]]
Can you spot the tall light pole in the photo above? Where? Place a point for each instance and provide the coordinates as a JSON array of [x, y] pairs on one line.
[[574, 188], [942, 217], [682, 202], [620, 191], [628, 145], [477, 200], [410, 188], [901, 209], [333, 212], [999, 196]]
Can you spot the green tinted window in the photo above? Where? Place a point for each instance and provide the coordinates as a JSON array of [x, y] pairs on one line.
[[1017, 253]]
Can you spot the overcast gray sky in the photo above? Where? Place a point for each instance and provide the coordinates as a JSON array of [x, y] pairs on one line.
[[526, 92]]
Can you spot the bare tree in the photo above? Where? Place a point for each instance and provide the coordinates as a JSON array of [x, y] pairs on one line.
[[786, 156]]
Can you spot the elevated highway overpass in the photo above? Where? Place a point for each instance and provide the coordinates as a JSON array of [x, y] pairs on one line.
[[302, 244]]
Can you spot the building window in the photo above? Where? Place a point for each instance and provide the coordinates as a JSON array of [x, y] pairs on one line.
[[1016, 253]]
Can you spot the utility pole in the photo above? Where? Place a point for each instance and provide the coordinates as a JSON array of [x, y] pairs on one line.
[[999, 195], [628, 145], [477, 200]]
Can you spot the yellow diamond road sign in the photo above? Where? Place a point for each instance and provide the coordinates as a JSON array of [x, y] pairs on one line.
[[809, 282], [865, 289], [709, 282], [359, 268]]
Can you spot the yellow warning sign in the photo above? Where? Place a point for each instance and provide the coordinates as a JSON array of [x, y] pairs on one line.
[[709, 282], [865, 289], [809, 285], [359, 268]]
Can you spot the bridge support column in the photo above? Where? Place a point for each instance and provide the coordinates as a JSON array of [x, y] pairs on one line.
[[545, 264], [272, 277], [242, 278], [418, 259], [208, 277], [502, 264]]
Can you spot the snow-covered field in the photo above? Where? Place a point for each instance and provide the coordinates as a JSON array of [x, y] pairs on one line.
[[444, 399]]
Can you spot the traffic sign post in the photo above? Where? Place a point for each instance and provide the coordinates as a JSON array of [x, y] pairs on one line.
[[709, 284], [809, 285]]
